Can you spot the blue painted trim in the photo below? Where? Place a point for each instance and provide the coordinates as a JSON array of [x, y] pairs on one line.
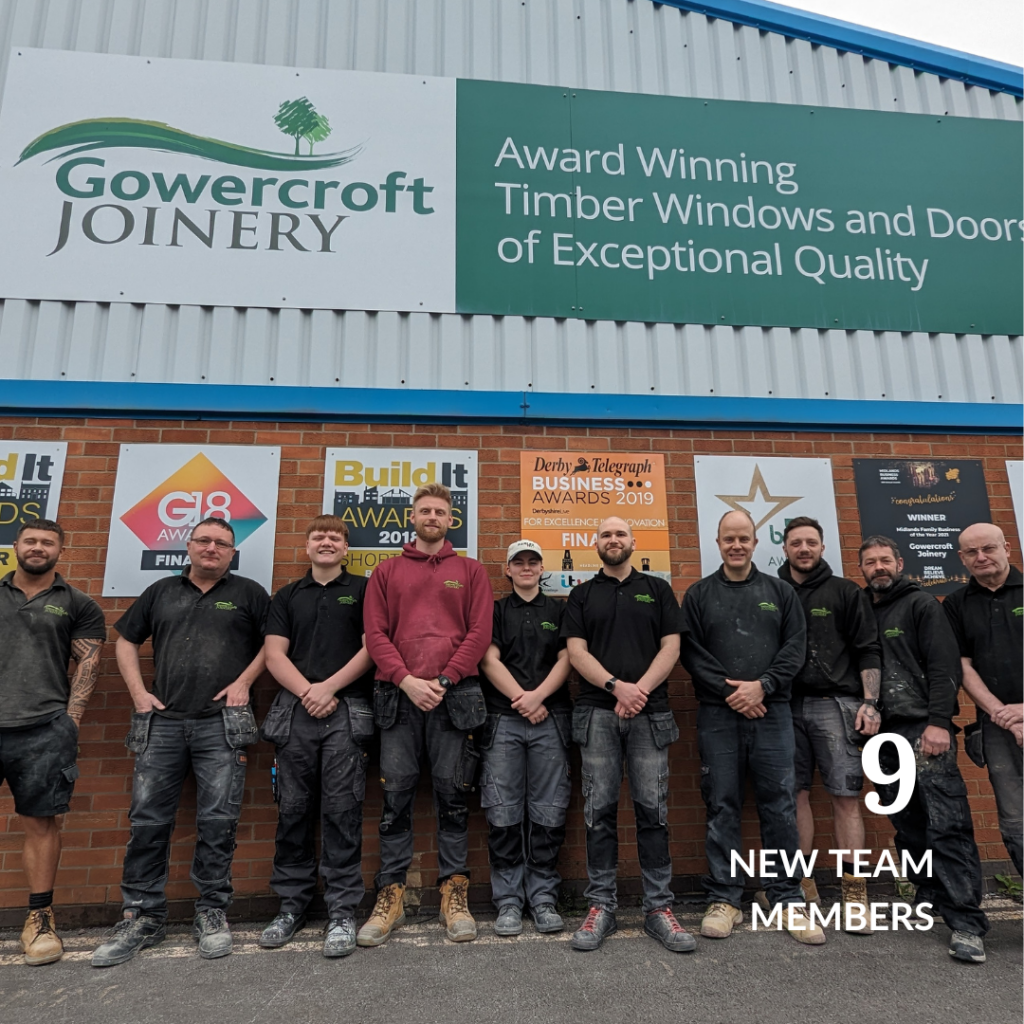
[[869, 42], [280, 402]]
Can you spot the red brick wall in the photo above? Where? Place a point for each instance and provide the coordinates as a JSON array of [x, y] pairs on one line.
[[95, 830]]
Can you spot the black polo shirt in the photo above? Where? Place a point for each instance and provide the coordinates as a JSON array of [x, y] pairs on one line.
[[623, 624], [201, 642], [35, 648], [528, 637], [988, 627], [324, 626]]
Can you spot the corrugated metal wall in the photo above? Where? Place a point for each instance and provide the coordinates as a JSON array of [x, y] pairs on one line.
[[627, 45]]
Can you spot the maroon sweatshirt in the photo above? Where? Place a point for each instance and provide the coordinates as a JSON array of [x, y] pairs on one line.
[[428, 615]]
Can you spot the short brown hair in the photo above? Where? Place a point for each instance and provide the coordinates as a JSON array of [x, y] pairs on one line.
[[878, 540], [795, 524], [49, 525], [334, 524], [432, 491]]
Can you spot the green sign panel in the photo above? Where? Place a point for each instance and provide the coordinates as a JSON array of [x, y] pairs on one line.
[[619, 206]]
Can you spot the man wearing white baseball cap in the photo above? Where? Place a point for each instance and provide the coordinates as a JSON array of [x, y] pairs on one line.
[[525, 785]]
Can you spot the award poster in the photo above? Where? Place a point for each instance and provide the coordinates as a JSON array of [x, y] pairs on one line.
[[923, 505], [372, 490], [163, 490], [31, 473], [1015, 474], [564, 497]]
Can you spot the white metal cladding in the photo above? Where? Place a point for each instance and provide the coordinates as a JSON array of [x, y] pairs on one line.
[[625, 45]]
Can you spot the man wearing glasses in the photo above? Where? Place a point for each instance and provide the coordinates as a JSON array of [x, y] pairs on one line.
[[207, 629]]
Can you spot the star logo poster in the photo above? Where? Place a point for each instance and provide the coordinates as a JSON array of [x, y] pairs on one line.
[[564, 496], [31, 473], [773, 491], [163, 491]]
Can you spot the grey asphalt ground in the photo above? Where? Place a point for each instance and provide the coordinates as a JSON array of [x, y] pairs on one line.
[[420, 978]]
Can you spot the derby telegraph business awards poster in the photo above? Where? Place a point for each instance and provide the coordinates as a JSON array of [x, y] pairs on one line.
[[923, 505], [564, 496]]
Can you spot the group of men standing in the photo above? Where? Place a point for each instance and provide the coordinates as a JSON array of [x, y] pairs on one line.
[[790, 672]]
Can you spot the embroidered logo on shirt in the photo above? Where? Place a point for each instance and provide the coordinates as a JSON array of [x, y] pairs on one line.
[[54, 609], [345, 599], [891, 634], [453, 584], [820, 613], [643, 598], [767, 606], [549, 626], [225, 606], [1018, 611]]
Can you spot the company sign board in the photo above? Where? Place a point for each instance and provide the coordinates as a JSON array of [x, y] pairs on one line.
[[173, 181], [564, 497], [372, 490], [163, 490], [31, 474]]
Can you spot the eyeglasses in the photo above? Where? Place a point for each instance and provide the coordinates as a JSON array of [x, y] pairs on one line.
[[988, 551], [205, 542]]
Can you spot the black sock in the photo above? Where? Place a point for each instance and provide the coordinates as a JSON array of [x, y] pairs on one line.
[[40, 900], [849, 869]]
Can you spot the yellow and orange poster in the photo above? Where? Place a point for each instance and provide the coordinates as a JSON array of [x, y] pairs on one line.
[[565, 496]]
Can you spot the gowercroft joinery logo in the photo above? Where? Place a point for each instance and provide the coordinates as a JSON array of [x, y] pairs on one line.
[[164, 518]]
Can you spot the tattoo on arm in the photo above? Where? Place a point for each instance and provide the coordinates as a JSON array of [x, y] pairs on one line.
[[872, 680], [87, 654]]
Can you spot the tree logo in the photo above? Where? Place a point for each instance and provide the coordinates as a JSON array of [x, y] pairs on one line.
[[299, 119]]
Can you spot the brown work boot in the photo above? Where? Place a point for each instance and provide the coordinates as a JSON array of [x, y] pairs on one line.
[[719, 920], [810, 890], [388, 914], [855, 896], [801, 927], [39, 938], [455, 913]]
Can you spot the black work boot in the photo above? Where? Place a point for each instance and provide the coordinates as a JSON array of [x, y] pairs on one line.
[[281, 930], [210, 929], [341, 936], [133, 932], [662, 925], [597, 924]]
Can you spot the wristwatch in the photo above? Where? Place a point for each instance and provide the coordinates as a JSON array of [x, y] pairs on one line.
[[610, 684], [445, 682], [872, 702]]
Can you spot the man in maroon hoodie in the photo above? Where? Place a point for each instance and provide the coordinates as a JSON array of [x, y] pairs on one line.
[[427, 616]]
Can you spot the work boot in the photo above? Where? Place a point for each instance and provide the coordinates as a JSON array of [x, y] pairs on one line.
[[39, 939], [510, 920], [455, 913], [133, 932], [855, 896], [810, 890], [967, 947], [546, 919], [341, 936], [663, 926], [210, 929], [281, 930], [802, 928], [388, 914], [596, 925], [719, 920]]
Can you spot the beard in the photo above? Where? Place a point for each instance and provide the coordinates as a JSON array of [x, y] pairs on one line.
[[37, 568], [806, 566], [881, 581], [615, 557], [430, 534]]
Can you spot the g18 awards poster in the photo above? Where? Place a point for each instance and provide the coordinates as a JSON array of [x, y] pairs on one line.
[[372, 490], [564, 496], [923, 505], [163, 490], [31, 473]]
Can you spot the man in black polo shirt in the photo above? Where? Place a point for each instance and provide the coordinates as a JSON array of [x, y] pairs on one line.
[[44, 623], [622, 631], [525, 786], [207, 629], [320, 723], [987, 616], [744, 641]]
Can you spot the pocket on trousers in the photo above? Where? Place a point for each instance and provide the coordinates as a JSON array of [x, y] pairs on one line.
[[360, 719], [664, 728], [138, 733], [466, 769], [949, 784], [663, 798], [486, 733], [587, 787], [563, 723], [581, 725], [277, 726], [854, 739], [465, 704], [385, 703], [65, 785], [239, 726], [974, 744]]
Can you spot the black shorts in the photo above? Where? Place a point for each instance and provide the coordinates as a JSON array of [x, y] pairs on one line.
[[40, 766]]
